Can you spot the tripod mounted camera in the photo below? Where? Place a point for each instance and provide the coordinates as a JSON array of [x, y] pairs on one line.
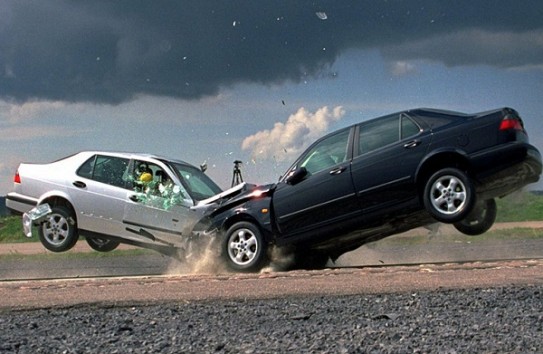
[[236, 177]]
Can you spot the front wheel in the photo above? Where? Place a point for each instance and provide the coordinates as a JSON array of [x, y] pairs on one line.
[[58, 233], [480, 220], [449, 195], [244, 248], [101, 244]]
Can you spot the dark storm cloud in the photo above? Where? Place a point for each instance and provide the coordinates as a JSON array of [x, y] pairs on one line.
[[110, 51]]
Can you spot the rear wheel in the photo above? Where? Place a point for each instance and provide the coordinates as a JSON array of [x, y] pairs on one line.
[[244, 248], [58, 233], [101, 244], [480, 220], [449, 195]]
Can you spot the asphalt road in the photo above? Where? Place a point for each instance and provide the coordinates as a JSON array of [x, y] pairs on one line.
[[83, 262], [487, 305]]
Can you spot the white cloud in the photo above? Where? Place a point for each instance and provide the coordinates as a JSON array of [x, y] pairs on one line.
[[288, 139]]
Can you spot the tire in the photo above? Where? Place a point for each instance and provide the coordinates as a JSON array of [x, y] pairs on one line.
[[58, 233], [102, 244], [243, 248], [449, 195], [480, 220]]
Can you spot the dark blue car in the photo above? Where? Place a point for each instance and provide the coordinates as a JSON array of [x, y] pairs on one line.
[[378, 178]]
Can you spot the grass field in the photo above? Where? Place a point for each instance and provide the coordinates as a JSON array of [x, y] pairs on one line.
[[521, 206]]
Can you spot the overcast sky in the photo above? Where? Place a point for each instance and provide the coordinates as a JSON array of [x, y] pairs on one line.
[[216, 81]]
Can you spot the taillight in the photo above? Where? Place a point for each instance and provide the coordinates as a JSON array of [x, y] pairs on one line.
[[511, 123], [17, 178]]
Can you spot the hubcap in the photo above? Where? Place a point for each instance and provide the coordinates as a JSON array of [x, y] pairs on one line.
[[448, 195], [56, 229], [242, 246]]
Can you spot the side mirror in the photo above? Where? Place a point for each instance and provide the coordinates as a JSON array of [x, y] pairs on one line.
[[203, 167], [296, 175]]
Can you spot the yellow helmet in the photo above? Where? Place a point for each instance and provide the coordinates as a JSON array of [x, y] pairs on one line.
[[146, 177]]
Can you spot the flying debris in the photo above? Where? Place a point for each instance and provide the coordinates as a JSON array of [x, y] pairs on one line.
[[321, 15]]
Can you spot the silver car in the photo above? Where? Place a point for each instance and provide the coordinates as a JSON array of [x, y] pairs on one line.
[[111, 198]]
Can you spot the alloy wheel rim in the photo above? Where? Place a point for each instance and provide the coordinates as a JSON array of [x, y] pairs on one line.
[[242, 247], [56, 229], [448, 195]]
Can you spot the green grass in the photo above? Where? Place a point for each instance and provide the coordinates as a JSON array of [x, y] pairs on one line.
[[522, 206], [11, 230]]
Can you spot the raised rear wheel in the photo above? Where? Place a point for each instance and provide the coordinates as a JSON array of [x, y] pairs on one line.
[[480, 220], [449, 195], [58, 232]]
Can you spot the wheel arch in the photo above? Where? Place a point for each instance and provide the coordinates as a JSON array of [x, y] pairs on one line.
[[439, 160], [59, 200], [247, 218]]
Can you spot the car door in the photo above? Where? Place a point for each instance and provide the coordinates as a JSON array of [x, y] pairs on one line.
[[325, 195], [99, 193], [158, 207], [387, 154]]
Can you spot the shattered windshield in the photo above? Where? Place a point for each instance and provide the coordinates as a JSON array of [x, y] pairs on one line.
[[198, 185]]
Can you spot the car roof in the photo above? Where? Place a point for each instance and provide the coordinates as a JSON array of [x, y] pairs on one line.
[[131, 155], [434, 111]]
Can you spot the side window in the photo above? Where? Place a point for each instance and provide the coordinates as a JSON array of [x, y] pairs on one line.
[[111, 170], [86, 169], [327, 153], [156, 185], [377, 134], [106, 169], [409, 128]]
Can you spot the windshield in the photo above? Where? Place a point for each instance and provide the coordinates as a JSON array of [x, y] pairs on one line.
[[198, 184]]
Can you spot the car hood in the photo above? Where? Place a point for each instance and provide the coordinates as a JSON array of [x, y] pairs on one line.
[[242, 191], [235, 195], [227, 194]]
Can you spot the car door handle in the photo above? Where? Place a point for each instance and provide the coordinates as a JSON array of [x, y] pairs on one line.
[[412, 144], [337, 171], [134, 198], [79, 184]]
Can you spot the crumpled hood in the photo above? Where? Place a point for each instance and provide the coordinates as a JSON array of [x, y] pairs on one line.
[[235, 195], [227, 194]]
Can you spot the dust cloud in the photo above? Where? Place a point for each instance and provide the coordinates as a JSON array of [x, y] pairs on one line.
[[205, 258]]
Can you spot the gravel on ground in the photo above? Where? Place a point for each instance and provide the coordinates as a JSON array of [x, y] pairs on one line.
[[490, 320]]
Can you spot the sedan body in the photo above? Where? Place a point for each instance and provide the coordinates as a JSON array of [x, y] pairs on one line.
[[113, 198], [378, 178]]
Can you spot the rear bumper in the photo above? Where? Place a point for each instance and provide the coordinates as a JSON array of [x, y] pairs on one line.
[[19, 204], [515, 166]]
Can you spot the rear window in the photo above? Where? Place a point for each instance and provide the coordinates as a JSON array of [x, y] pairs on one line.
[[436, 120]]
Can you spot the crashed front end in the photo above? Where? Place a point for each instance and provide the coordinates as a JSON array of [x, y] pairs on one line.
[[252, 203], [197, 225]]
